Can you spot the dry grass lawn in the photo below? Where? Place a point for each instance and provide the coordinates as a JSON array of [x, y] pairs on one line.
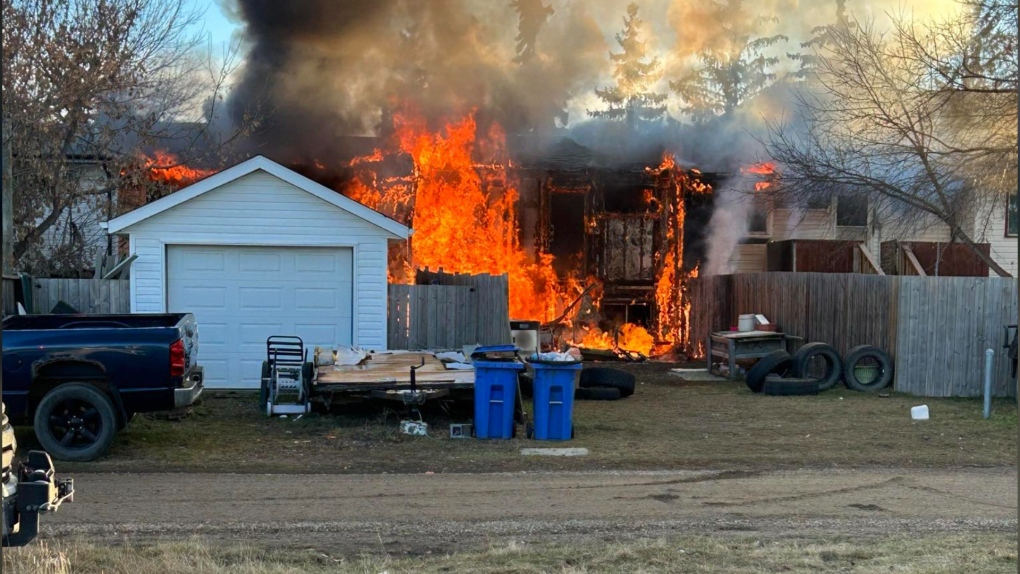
[[971, 553], [667, 424]]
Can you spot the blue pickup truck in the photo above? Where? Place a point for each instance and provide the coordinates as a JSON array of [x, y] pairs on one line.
[[80, 378]]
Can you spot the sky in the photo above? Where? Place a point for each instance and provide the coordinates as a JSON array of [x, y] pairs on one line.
[[215, 24]]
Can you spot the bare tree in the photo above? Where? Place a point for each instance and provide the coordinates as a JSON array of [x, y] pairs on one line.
[[95, 85], [910, 120]]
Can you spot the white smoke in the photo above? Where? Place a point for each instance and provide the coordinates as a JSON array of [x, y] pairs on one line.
[[729, 224]]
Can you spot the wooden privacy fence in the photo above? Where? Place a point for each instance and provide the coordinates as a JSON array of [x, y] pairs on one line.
[[449, 311], [935, 328], [86, 295]]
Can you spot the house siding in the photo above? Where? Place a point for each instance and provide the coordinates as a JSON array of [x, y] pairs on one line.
[[991, 229], [261, 209], [821, 224]]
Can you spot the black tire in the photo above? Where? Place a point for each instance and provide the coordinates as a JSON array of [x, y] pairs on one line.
[[885, 366], [597, 394], [527, 384], [605, 377], [791, 386], [777, 362], [82, 416], [307, 374], [264, 387], [833, 364]]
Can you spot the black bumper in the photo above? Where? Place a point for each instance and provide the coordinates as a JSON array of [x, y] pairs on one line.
[[38, 492]]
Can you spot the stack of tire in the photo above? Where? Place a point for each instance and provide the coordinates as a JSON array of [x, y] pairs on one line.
[[779, 374], [594, 384]]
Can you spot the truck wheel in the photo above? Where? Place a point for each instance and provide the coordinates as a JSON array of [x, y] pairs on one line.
[[75, 422]]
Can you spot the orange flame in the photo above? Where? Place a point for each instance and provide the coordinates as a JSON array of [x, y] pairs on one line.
[[765, 168], [629, 337], [461, 201], [166, 167]]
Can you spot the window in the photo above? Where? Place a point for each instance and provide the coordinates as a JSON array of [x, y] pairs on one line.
[[1011, 219], [851, 211], [819, 202], [758, 218]]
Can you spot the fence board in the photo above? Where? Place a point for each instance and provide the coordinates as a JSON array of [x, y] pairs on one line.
[[935, 328], [443, 316], [86, 295]]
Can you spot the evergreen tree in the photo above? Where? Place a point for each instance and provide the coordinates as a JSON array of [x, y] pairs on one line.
[[532, 14], [821, 36], [734, 68], [632, 98]]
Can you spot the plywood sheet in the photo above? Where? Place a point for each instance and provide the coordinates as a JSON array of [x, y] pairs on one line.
[[393, 368]]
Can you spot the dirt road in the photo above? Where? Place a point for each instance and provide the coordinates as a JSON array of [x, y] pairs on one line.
[[419, 513]]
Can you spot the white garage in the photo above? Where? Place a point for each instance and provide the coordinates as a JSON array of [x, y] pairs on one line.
[[259, 250]]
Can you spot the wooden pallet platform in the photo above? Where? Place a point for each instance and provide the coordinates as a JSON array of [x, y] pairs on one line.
[[393, 370]]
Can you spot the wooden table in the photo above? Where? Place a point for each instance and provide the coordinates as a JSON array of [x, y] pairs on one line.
[[733, 346]]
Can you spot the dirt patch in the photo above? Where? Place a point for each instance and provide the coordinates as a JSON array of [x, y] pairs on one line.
[[668, 424]]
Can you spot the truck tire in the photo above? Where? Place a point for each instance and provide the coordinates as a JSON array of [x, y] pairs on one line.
[[789, 387], [75, 422], [777, 362], [605, 377], [833, 364], [859, 353]]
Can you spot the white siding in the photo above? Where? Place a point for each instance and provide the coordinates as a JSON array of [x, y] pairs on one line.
[[749, 258], [261, 209], [991, 229]]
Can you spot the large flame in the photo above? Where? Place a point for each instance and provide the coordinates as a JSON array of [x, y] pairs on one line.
[[671, 297], [766, 169], [461, 201], [463, 211], [166, 167]]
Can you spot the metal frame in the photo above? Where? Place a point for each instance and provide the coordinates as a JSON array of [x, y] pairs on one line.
[[287, 356]]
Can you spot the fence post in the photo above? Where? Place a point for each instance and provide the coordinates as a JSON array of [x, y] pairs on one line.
[[989, 354]]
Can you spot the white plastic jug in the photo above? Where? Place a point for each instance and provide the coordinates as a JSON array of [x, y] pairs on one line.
[[919, 413], [745, 323]]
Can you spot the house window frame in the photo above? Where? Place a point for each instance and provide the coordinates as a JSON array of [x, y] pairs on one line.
[[1011, 207], [764, 206], [867, 207]]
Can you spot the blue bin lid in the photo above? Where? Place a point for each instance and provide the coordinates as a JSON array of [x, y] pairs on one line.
[[555, 365], [513, 365]]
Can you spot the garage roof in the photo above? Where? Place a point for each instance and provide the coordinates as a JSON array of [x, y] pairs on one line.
[[256, 163]]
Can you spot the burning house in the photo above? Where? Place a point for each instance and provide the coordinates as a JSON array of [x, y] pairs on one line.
[[596, 249]]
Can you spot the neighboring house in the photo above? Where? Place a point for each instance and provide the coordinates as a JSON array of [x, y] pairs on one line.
[[258, 250], [71, 245], [853, 219]]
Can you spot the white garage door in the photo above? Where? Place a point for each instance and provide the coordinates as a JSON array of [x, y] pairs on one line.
[[242, 295]]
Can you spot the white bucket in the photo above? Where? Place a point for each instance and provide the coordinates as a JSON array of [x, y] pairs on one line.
[[919, 413], [746, 323]]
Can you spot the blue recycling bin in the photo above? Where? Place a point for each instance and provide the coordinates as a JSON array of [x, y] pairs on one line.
[[495, 397], [554, 400]]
